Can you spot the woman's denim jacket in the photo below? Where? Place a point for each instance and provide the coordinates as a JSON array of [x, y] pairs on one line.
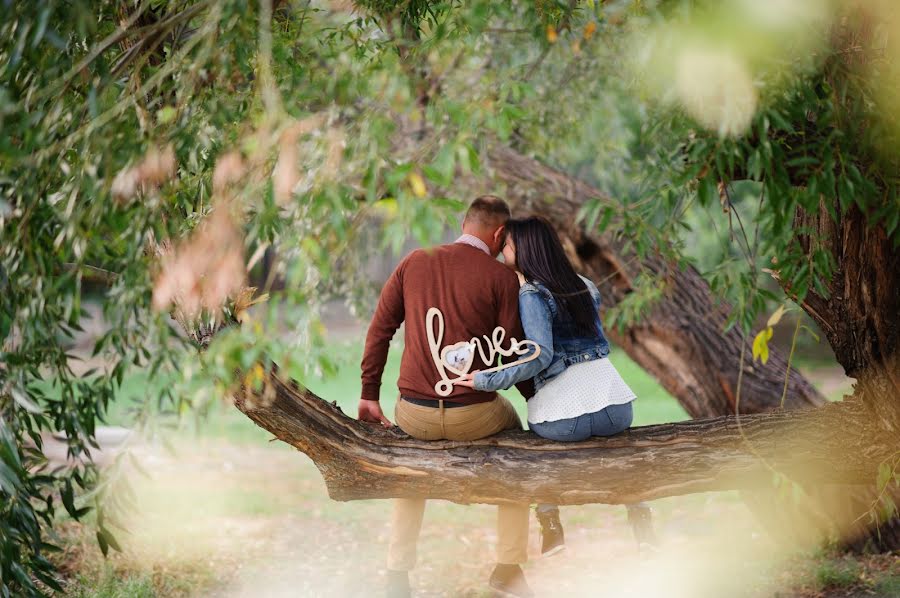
[[562, 344]]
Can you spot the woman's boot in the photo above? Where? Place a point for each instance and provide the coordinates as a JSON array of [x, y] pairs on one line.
[[640, 516], [553, 538]]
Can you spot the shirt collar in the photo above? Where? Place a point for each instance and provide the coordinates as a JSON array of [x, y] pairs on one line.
[[467, 239]]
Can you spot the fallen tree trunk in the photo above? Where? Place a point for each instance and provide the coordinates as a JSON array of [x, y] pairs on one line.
[[360, 461]]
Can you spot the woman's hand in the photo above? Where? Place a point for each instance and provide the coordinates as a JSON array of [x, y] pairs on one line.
[[468, 380]]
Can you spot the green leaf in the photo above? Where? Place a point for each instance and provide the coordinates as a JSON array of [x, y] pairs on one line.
[[803, 161], [444, 164], [604, 220], [48, 579], [102, 541], [9, 481], [5, 324], [810, 331], [9, 451], [449, 204], [468, 158], [780, 121], [706, 192], [68, 499], [27, 404], [109, 539]]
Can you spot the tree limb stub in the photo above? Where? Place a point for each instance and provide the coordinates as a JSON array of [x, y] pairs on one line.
[[360, 461]]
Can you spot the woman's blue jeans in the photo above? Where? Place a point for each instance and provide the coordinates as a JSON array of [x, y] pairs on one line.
[[606, 422]]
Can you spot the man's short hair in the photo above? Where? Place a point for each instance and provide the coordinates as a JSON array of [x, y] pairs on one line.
[[487, 210]]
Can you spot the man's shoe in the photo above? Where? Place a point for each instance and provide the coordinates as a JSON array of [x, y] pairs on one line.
[[397, 584], [640, 517], [509, 581], [553, 539]]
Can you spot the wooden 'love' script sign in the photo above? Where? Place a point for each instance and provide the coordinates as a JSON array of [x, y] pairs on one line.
[[458, 357]]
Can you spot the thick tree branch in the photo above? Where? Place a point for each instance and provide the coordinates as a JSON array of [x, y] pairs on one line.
[[360, 461]]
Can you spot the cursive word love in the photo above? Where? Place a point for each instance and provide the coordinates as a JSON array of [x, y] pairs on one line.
[[458, 358]]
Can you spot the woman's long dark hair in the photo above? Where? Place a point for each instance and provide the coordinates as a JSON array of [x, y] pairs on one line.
[[540, 256]]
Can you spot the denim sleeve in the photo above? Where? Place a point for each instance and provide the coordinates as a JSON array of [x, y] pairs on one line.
[[538, 326]]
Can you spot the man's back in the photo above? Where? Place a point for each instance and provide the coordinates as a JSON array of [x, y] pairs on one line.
[[475, 294]]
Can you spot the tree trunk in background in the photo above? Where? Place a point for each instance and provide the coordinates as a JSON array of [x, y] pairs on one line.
[[682, 345], [860, 317]]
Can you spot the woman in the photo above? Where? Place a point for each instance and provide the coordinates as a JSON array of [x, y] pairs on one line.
[[578, 392]]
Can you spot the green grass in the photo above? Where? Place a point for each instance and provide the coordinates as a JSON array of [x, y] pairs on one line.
[[837, 574], [112, 586], [888, 586], [827, 572], [104, 580]]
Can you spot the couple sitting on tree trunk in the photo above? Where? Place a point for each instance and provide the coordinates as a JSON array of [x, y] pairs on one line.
[[574, 391]]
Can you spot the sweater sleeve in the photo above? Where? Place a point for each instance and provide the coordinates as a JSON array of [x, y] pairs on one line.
[[389, 314]]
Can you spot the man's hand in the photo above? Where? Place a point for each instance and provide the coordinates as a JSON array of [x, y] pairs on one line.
[[370, 411]]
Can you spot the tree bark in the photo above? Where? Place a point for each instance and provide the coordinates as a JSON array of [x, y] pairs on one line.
[[860, 314], [360, 461], [860, 317]]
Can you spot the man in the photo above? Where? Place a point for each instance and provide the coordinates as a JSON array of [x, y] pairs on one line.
[[475, 294]]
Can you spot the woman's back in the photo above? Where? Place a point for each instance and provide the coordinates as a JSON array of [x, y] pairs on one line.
[[571, 342]]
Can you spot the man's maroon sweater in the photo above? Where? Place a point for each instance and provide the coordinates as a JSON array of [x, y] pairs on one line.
[[474, 291]]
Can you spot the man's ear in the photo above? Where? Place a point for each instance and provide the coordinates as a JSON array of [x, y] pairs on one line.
[[498, 234]]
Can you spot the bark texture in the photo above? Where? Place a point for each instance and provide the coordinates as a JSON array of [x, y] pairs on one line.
[[360, 461], [860, 316]]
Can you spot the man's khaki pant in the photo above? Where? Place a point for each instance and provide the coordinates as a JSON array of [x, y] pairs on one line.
[[458, 423]]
